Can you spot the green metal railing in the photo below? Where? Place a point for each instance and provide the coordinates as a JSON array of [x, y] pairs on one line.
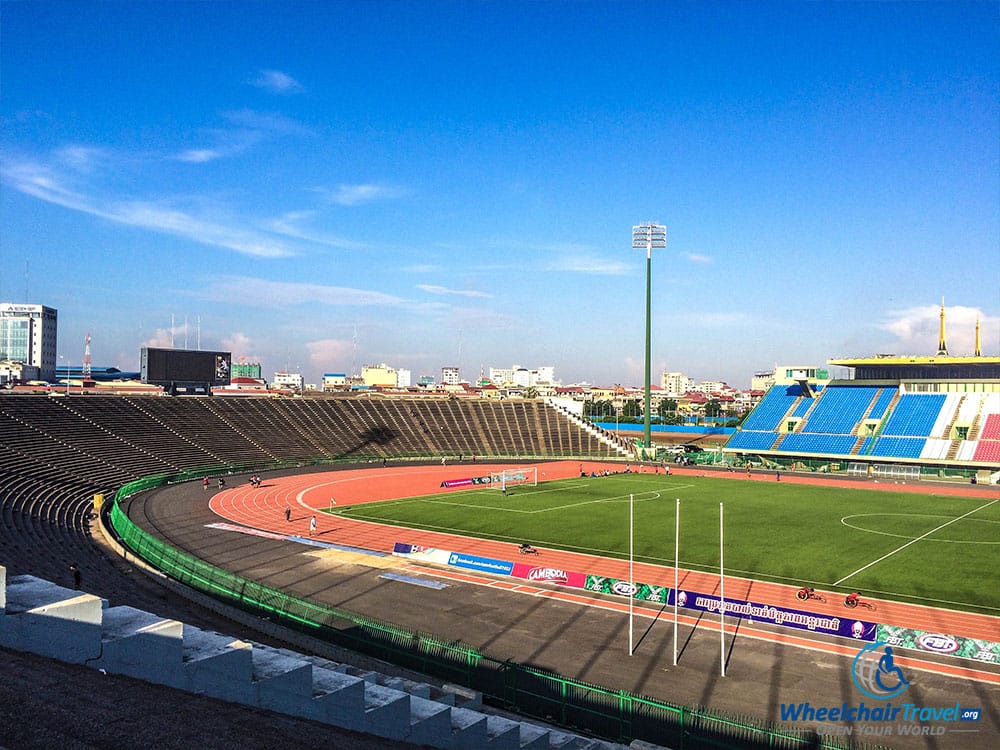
[[579, 706]]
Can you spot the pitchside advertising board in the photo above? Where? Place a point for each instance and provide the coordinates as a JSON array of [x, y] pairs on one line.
[[847, 627], [186, 370]]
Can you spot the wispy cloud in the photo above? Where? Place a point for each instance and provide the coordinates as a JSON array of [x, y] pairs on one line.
[[291, 225], [353, 195], [276, 82], [590, 265], [698, 258], [432, 289], [199, 155], [47, 184], [259, 292], [243, 129]]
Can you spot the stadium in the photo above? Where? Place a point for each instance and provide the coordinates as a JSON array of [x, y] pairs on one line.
[[149, 499]]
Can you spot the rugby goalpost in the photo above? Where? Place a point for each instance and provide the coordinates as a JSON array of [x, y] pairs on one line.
[[508, 478]]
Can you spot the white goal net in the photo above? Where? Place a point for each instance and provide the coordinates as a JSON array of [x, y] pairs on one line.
[[509, 478]]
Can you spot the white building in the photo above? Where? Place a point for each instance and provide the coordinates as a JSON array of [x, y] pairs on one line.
[[379, 376], [450, 376], [761, 381], [789, 374], [291, 380], [522, 376], [676, 383], [334, 381], [28, 336]]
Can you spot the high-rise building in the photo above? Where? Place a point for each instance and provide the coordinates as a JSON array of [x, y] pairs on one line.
[[676, 383], [28, 335], [450, 376]]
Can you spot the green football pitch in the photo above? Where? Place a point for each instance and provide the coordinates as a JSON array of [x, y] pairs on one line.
[[930, 549]]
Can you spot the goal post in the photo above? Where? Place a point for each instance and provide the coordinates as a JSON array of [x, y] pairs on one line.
[[508, 478]]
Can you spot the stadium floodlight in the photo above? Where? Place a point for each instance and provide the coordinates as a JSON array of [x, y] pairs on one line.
[[648, 236]]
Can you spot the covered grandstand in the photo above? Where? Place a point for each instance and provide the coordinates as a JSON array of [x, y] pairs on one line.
[[898, 416]]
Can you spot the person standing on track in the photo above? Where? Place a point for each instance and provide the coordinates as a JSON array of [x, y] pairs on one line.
[[288, 513], [312, 525]]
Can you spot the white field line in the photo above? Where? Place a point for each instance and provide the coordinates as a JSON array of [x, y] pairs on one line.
[[914, 541], [640, 498]]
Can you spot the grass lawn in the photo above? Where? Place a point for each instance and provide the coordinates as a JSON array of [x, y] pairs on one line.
[[787, 533]]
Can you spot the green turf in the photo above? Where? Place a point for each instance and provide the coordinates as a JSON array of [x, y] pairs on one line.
[[783, 532]]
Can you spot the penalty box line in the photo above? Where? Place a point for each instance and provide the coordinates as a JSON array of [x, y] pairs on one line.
[[914, 541]]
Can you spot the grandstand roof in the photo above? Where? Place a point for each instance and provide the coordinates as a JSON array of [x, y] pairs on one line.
[[901, 360]]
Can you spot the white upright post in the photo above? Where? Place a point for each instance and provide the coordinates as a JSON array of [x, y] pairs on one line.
[[722, 602], [677, 557], [631, 577]]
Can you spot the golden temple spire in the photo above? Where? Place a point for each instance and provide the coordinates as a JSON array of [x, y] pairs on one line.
[[942, 346]]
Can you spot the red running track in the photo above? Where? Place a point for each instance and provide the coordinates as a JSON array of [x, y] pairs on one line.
[[264, 508]]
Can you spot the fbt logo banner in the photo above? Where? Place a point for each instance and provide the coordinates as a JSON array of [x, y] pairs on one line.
[[940, 643]]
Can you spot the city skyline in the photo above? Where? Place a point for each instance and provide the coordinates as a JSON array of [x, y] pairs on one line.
[[324, 186]]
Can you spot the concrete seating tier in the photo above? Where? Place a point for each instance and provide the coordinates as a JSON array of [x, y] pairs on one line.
[[75, 627]]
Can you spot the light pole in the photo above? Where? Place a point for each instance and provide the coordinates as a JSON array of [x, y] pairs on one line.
[[648, 236]]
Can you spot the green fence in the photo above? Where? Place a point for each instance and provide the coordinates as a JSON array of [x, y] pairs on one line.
[[579, 706]]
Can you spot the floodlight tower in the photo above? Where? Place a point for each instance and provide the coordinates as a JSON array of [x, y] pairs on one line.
[[648, 236]]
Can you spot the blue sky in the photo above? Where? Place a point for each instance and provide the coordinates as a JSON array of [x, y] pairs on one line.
[[326, 185]]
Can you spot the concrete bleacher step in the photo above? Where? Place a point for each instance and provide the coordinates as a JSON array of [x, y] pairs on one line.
[[50, 620], [47, 619]]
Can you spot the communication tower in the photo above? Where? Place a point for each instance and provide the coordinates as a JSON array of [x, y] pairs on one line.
[[86, 357]]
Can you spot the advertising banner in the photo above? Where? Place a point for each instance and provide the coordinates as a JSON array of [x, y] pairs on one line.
[[424, 554], [465, 481], [546, 574], [486, 564], [938, 643], [643, 591], [792, 618]]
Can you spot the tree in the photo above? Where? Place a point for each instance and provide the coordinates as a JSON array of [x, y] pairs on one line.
[[667, 407], [713, 408], [598, 409], [631, 408]]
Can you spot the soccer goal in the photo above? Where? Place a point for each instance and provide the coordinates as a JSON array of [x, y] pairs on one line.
[[508, 478]]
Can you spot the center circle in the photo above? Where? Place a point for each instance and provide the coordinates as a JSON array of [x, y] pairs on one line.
[[846, 521]]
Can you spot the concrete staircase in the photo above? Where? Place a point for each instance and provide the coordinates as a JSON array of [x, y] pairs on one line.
[[46, 619]]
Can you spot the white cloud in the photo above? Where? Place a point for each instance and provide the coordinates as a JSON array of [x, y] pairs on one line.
[[42, 182], [433, 289], [698, 258], [277, 82], [590, 265], [353, 195], [290, 225], [265, 293], [327, 353], [916, 330], [239, 344], [199, 155]]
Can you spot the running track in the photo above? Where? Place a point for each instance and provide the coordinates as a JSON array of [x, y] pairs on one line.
[[264, 508]]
